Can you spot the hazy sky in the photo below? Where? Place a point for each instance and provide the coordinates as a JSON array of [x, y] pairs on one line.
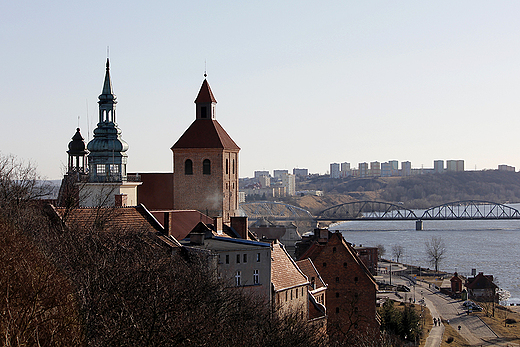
[[298, 83]]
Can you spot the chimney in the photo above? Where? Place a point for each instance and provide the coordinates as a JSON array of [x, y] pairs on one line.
[[167, 222], [240, 226], [217, 223], [120, 200], [197, 238]]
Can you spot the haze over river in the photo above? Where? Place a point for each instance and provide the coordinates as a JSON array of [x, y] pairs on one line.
[[489, 246]]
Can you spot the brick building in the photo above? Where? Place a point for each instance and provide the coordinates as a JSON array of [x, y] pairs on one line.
[[205, 162], [351, 292]]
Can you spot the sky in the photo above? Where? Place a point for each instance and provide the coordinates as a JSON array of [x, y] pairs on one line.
[[298, 83]]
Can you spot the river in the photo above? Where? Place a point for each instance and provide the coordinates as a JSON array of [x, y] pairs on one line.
[[489, 246]]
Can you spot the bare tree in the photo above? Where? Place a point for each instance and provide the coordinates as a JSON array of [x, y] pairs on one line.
[[397, 252], [435, 251], [381, 251]]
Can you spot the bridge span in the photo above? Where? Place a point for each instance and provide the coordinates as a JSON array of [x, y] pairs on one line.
[[383, 211]]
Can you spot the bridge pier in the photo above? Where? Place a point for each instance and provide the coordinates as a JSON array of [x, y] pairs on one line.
[[418, 225]]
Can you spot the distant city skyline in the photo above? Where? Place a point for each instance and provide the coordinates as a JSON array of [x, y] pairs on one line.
[[298, 84]]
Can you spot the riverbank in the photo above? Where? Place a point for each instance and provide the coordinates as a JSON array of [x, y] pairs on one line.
[[495, 326]]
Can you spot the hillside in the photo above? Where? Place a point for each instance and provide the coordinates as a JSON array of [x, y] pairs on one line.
[[419, 191]]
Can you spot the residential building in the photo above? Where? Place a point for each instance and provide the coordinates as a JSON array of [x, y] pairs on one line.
[[261, 173], [265, 181], [289, 284], [279, 173], [386, 170], [345, 169], [363, 170], [455, 165], [205, 161], [289, 183], [301, 172], [242, 263], [506, 168], [334, 170], [438, 166], [375, 169], [406, 168], [482, 288], [394, 167]]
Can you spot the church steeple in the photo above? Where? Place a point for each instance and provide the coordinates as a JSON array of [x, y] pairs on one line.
[[107, 100], [205, 102], [107, 158]]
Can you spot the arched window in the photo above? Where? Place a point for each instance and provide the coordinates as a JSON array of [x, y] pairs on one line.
[[206, 167], [188, 167]]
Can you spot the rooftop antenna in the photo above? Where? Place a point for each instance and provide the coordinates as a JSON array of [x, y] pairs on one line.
[[205, 74], [108, 52]]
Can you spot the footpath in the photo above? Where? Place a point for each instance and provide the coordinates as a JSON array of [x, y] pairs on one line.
[[451, 311]]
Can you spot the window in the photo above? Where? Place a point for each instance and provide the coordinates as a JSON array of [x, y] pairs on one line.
[[206, 167], [313, 283], [337, 295], [337, 279], [238, 258], [237, 278], [114, 169], [203, 112], [333, 249], [188, 167], [324, 264], [257, 257], [291, 294], [337, 309], [100, 169], [345, 264], [256, 277], [227, 166], [286, 295], [233, 167], [245, 258], [355, 279], [227, 258], [296, 293]]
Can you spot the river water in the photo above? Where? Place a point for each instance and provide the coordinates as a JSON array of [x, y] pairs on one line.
[[489, 246]]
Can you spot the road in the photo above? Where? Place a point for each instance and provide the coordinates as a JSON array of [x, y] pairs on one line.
[[472, 328]]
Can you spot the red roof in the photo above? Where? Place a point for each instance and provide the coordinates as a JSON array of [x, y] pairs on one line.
[[205, 133], [284, 271], [205, 94]]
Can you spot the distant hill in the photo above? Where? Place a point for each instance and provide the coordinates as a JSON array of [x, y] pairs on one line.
[[421, 191]]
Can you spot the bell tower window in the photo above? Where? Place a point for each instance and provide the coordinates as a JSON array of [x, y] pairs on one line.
[[206, 167], [203, 112], [188, 167]]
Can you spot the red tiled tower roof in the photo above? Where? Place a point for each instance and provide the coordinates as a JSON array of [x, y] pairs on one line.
[[205, 93], [205, 133]]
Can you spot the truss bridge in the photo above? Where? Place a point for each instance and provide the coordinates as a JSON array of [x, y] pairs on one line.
[[381, 211]]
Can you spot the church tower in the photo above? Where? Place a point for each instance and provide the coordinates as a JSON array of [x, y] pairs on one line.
[[205, 163], [108, 183]]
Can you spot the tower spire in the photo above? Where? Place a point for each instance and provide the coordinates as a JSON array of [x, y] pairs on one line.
[[107, 99]]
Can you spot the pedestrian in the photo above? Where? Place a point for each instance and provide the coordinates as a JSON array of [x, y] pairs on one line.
[[435, 322]]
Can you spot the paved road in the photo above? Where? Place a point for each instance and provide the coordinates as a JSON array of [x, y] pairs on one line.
[[472, 328]]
